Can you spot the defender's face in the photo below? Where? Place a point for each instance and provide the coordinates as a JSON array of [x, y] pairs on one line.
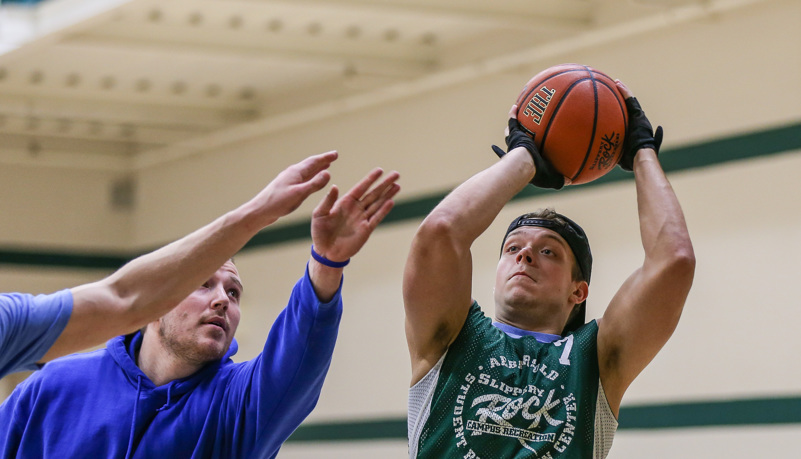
[[536, 265], [200, 329]]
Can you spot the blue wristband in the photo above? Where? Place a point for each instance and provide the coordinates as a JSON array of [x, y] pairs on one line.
[[325, 261]]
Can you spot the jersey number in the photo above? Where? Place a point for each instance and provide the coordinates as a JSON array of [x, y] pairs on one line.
[[568, 342]]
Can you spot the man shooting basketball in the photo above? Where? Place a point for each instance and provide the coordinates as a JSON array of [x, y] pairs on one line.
[[171, 389], [538, 382]]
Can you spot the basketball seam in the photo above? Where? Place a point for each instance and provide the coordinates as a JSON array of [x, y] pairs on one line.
[[556, 110], [623, 110], [594, 125]]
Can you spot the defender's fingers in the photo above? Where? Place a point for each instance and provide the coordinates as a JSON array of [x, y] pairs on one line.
[[388, 194], [311, 166], [382, 212], [316, 183], [364, 184], [327, 203], [381, 188]]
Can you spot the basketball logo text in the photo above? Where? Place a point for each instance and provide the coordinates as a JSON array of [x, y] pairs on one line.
[[535, 108], [605, 156]]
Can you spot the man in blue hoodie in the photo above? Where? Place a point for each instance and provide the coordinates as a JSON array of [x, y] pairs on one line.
[[171, 389], [37, 329]]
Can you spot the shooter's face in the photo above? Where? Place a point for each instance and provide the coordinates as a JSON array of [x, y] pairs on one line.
[[200, 329], [536, 266]]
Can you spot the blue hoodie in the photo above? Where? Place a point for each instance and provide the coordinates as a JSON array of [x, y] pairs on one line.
[[101, 405], [29, 325]]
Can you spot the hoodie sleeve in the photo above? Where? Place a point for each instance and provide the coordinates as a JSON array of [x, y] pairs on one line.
[[14, 417], [29, 325], [288, 376]]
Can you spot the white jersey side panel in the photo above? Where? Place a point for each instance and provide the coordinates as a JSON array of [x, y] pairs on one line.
[[605, 425], [420, 396]]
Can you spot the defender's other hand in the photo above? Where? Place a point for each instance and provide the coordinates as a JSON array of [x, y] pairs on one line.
[[291, 187], [341, 226]]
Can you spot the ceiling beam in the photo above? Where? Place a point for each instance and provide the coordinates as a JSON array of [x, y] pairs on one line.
[[133, 109], [534, 16], [301, 45], [92, 156], [149, 136], [165, 47]]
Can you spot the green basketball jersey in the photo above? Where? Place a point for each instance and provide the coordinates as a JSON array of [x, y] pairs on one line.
[[492, 396]]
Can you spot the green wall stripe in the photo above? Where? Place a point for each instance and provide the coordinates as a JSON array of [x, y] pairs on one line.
[[734, 148], [280, 234], [728, 413], [780, 410], [709, 153], [377, 429], [63, 259]]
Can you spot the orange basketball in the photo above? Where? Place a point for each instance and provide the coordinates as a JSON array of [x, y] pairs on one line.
[[578, 119]]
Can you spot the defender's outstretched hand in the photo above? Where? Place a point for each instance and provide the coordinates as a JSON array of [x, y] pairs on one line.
[[341, 226], [291, 187]]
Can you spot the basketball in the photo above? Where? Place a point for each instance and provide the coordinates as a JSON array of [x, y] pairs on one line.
[[578, 119]]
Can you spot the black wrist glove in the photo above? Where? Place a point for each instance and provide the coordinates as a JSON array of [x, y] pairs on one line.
[[546, 175], [640, 135]]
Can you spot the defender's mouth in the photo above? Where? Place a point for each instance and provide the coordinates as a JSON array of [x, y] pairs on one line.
[[218, 321]]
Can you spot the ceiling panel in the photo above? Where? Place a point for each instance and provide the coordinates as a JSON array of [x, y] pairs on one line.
[[121, 84]]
